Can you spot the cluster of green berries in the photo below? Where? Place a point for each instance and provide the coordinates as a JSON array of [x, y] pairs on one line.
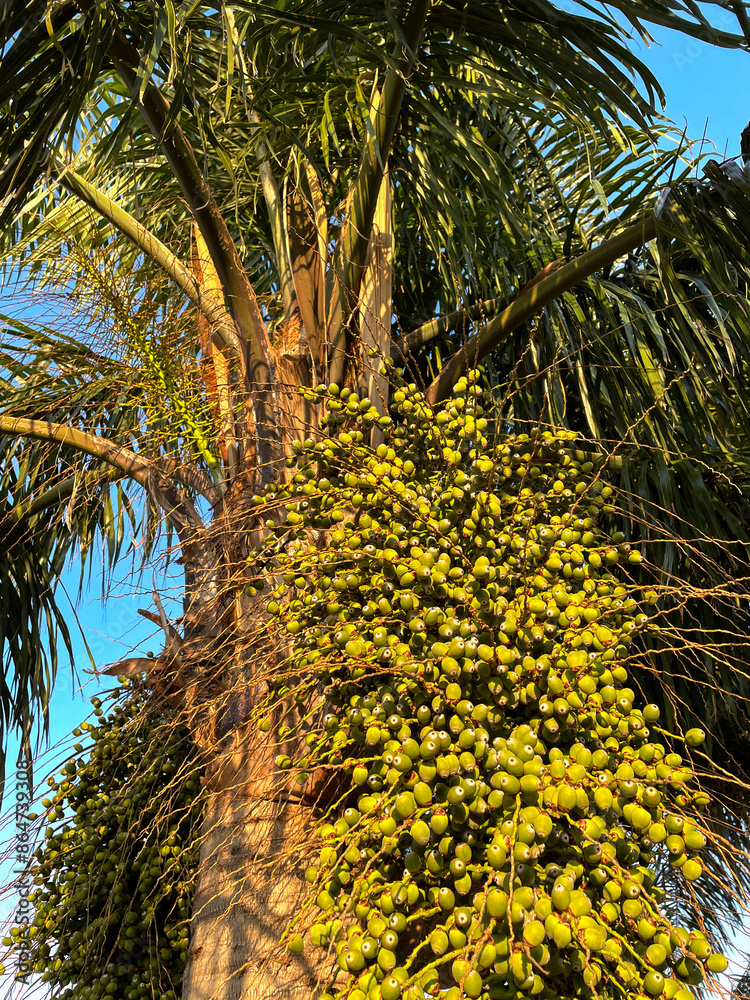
[[114, 875], [471, 625]]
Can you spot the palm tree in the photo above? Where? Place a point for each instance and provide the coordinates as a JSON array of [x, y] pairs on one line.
[[245, 200]]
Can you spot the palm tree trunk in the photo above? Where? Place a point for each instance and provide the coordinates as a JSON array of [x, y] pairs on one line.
[[251, 886]]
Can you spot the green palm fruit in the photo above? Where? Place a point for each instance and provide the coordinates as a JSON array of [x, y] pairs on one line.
[[439, 941], [116, 825], [716, 963], [472, 627], [534, 933]]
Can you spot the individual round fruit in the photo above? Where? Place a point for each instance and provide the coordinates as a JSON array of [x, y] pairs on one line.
[[472, 984], [390, 988], [716, 963], [439, 822], [692, 869], [594, 938], [446, 898], [405, 805], [522, 969], [566, 799], [656, 955], [420, 832], [534, 933], [439, 942], [562, 935], [640, 819], [497, 903], [653, 983], [657, 832]]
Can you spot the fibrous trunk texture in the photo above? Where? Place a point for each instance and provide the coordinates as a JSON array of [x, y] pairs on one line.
[[250, 886]]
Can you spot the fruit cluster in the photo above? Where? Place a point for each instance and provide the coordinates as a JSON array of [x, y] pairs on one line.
[[113, 878], [510, 802]]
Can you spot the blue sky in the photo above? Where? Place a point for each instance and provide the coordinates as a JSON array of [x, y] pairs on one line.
[[707, 89]]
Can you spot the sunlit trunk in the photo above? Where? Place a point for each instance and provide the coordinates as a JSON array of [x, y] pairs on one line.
[[250, 885]]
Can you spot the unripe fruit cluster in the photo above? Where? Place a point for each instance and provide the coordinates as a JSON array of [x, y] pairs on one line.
[[114, 876], [472, 630]]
